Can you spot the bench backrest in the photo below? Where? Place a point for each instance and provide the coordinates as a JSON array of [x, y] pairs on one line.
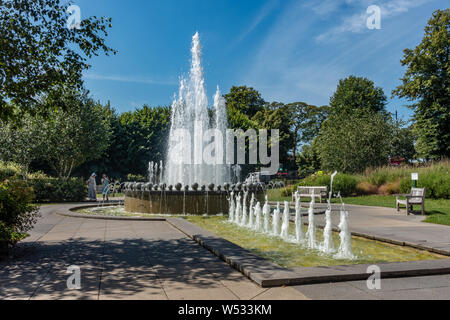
[[417, 194], [309, 190]]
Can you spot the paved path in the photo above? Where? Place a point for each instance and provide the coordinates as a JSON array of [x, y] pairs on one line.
[[153, 260], [121, 260], [416, 288]]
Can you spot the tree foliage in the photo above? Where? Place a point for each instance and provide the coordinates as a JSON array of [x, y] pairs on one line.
[[427, 83], [40, 55], [357, 95], [351, 144], [63, 139]]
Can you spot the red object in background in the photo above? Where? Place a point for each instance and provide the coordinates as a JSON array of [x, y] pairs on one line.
[[396, 161], [282, 174]]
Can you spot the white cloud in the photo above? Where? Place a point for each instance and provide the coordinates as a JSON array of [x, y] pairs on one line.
[[356, 23]]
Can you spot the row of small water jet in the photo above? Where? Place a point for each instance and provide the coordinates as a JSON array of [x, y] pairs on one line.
[[258, 220], [155, 173]]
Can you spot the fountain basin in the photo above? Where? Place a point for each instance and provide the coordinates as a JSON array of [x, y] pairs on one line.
[[193, 202]]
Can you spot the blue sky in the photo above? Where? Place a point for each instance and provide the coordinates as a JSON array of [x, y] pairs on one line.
[[289, 50]]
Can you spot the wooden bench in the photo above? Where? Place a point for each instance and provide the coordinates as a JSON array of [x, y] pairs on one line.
[[416, 197], [319, 192]]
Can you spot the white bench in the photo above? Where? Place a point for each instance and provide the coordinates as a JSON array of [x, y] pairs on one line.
[[416, 197], [319, 192]]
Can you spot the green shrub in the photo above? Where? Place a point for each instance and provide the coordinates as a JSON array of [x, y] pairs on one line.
[[59, 190], [288, 191], [9, 170], [344, 183], [17, 213]]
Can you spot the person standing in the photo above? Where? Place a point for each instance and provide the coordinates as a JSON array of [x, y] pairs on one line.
[[105, 187], [92, 188]]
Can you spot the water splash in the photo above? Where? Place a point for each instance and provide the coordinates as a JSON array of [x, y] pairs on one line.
[[190, 113], [251, 212], [276, 221], [298, 219], [258, 224], [266, 214], [237, 213], [285, 226], [311, 233], [244, 210], [231, 206], [345, 247], [328, 245]]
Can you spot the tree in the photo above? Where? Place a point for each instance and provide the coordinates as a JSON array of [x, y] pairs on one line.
[[306, 122], [402, 141], [356, 95], [75, 137], [40, 55], [243, 103], [21, 142], [308, 161], [276, 115], [351, 144], [427, 83]]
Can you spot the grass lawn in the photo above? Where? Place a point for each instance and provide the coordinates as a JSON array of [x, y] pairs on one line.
[[438, 211]]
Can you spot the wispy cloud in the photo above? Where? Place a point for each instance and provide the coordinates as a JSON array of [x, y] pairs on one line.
[[262, 14], [290, 65], [131, 79], [356, 22]]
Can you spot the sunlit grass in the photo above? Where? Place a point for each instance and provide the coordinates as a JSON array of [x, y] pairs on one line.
[[293, 255]]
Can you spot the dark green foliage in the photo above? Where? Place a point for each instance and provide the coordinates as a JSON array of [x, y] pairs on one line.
[[351, 144], [427, 84], [59, 190], [40, 55], [344, 183], [17, 213], [355, 95]]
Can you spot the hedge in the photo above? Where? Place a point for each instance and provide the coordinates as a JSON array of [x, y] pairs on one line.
[[59, 190]]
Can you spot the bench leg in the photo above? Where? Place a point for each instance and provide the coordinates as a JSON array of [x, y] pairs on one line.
[[423, 208]]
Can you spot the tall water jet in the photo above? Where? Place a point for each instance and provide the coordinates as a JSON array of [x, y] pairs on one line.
[[285, 226], [311, 233], [237, 214], [276, 221], [328, 245], [231, 207], [189, 120], [243, 221], [298, 219], [251, 212], [266, 214], [258, 222], [345, 247]]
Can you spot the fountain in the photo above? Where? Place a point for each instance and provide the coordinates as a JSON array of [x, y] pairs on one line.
[[206, 184], [345, 247], [251, 212], [258, 223], [298, 219], [286, 220], [311, 233], [266, 213], [276, 221], [328, 246], [232, 207]]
